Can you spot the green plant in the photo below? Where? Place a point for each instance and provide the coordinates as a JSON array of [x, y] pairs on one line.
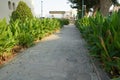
[[64, 21], [22, 12], [23, 34], [7, 40], [102, 35], [116, 79], [25, 39]]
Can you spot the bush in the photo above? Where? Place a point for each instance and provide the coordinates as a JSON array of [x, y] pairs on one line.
[[103, 36], [22, 12], [23, 34], [63, 22], [25, 39], [7, 40], [33, 29]]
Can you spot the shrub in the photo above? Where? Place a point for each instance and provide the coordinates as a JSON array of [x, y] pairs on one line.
[[22, 11], [103, 36], [23, 34], [25, 39], [63, 22], [7, 40]]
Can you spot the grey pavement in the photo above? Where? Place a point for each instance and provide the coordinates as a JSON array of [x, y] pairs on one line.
[[61, 56]]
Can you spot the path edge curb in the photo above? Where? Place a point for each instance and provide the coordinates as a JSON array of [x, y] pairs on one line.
[[101, 74]]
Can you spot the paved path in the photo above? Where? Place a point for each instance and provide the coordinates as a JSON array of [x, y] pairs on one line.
[[61, 56]]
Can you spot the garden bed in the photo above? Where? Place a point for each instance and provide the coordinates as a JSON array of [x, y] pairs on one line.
[[103, 36]]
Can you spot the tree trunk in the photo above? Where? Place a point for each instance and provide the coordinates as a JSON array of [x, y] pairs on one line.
[[104, 6], [96, 8]]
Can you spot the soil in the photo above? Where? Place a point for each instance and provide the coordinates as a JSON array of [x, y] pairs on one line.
[[10, 55]]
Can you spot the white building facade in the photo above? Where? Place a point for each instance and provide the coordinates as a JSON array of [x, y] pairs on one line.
[[8, 6]]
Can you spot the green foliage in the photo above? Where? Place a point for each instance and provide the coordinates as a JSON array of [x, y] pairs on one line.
[[88, 3], [116, 79], [33, 29], [22, 12], [7, 40], [25, 39], [103, 36], [64, 21], [25, 33]]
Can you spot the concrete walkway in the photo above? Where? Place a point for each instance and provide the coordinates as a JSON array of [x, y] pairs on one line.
[[61, 56]]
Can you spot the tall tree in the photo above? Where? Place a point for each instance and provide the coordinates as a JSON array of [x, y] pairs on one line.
[[88, 3], [102, 5]]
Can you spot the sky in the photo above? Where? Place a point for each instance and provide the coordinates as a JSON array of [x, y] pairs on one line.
[[118, 1], [50, 5]]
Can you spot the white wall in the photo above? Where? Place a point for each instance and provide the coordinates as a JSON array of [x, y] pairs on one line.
[[5, 12]]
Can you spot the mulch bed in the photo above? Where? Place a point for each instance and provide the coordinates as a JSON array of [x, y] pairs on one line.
[[10, 55]]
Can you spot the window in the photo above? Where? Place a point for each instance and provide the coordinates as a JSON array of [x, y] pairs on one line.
[[13, 6], [9, 4]]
